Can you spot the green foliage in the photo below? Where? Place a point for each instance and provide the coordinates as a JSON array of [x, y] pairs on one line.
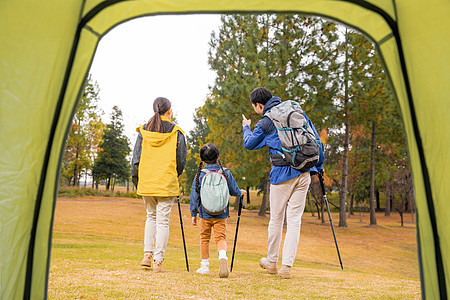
[[111, 163], [336, 75], [84, 136], [195, 140], [283, 53]]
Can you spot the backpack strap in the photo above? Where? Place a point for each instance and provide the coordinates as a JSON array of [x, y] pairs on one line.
[[219, 171]]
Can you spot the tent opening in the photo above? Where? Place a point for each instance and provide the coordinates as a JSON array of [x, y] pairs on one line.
[[334, 72]]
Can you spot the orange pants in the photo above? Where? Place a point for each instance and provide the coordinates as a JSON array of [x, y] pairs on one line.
[[220, 235]]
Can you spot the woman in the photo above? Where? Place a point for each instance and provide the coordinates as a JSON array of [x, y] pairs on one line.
[[159, 157]]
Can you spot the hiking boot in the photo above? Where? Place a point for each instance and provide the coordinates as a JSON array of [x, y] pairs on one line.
[[204, 268], [223, 268], [157, 267], [148, 259], [285, 272], [271, 267]]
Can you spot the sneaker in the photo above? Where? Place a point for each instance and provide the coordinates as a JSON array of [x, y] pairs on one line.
[[271, 267], [148, 259], [223, 268], [204, 268], [285, 272], [157, 267]]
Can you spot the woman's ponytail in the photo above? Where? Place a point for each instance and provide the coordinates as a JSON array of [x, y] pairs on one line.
[[160, 106]]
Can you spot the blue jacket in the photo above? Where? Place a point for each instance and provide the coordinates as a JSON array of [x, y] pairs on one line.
[[265, 134], [196, 207]]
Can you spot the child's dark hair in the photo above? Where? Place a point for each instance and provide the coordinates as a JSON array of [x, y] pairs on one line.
[[260, 95], [209, 154], [160, 106]]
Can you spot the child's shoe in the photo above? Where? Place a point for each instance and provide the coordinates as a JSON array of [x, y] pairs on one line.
[[204, 268], [285, 272], [147, 260], [223, 267], [271, 267], [157, 267]]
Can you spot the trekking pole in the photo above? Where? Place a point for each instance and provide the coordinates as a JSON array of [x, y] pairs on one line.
[[182, 233], [241, 204], [320, 174]]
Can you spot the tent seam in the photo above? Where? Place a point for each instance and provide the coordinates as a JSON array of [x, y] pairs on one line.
[[89, 28], [385, 39]]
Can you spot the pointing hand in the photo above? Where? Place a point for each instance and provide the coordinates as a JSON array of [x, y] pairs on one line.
[[245, 121]]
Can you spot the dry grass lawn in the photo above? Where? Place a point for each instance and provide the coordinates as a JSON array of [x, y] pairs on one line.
[[97, 248]]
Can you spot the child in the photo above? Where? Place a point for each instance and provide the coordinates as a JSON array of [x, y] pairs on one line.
[[209, 154]]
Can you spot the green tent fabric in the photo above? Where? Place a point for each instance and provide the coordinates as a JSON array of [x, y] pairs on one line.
[[46, 48]]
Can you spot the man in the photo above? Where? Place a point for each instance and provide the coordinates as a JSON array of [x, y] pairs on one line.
[[288, 186]]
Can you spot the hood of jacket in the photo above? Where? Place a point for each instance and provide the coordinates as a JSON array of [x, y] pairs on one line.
[[271, 103], [157, 139]]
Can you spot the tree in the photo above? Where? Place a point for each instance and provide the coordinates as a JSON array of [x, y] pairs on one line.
[[280, 52], [111, 163], [84, 135], [195, 140]]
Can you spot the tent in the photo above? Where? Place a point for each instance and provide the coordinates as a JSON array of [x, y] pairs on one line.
[[47, 47]]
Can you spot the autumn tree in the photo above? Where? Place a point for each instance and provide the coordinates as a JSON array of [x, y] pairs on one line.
[[84, 135]]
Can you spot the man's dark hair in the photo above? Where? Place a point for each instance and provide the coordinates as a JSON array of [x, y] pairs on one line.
[[260, 95]]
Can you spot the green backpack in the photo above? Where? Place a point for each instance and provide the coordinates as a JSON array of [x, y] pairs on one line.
[[214, 192]]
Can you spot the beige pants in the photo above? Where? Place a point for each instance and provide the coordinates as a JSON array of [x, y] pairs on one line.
[[220, 235], [287, 197], [157, 225]]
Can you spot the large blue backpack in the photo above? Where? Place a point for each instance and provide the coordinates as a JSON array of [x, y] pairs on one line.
[[214, 192]]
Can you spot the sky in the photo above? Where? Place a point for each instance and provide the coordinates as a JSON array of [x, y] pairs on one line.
[[150, 57]]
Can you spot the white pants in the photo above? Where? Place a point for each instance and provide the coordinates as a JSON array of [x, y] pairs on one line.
[[287, 197], [157, 225]]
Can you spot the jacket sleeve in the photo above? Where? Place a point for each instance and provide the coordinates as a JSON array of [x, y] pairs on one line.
[[135, 159], [181, 153], [253, 140], [232, 185], [193, 206]]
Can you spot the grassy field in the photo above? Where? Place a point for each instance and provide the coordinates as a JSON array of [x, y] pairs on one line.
[[97, 248]]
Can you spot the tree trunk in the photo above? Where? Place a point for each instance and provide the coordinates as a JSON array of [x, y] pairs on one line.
[[75, 170], [401, 209], [343, 187], [322, 214], [387, 211], [128, 185], [373, 217], [308, 197], [350, 208], [265, 200], [377, 197], [248, 194], [107, 184]]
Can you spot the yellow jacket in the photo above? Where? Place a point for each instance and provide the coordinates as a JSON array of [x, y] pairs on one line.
[[158, 166]]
